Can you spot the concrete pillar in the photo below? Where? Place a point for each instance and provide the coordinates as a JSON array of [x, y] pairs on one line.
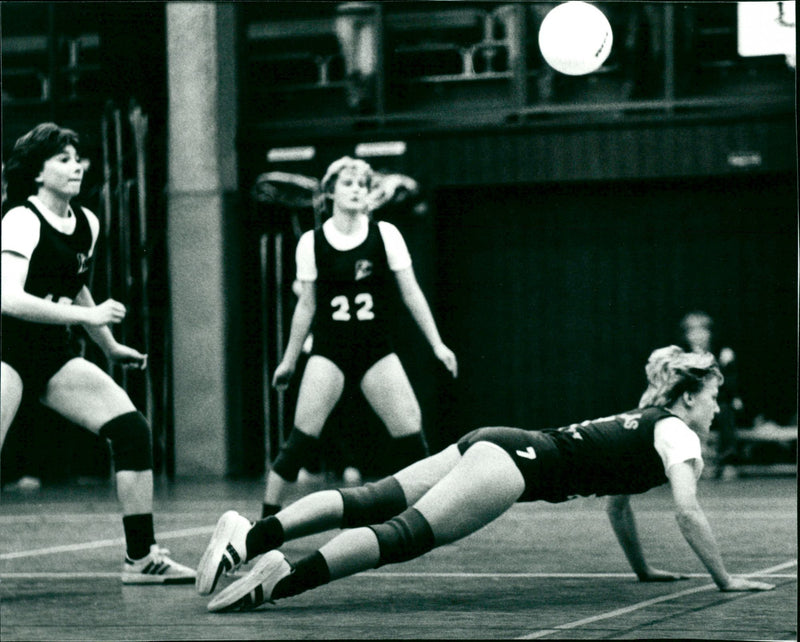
[[201, 171]]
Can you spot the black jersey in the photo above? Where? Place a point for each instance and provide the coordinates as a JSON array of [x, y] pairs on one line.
[[58, 268], [612, 456], [354, 290]]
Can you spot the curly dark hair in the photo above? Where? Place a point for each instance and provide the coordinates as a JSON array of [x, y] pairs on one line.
[[28, 156]]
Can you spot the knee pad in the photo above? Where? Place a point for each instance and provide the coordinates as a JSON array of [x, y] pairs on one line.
[[129, 435], [372, 503], [404, 537], [298, 449], [409, 449]]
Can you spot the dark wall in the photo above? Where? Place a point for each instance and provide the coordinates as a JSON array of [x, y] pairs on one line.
[[554, 295], [556, 258], [626, 149]]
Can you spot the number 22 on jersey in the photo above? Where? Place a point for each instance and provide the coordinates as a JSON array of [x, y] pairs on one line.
[[361, 302]]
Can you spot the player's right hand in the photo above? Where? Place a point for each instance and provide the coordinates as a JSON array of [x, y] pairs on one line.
[[447, 357], [109, 311], [741, 584], [283, 374]]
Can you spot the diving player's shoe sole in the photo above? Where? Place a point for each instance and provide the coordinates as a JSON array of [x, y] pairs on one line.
[[225, 552], [255, 588]]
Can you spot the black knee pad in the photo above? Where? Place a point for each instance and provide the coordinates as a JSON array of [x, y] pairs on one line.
[[129, 435], [298, 449], [409, 449], [404, 537], [372, 503]]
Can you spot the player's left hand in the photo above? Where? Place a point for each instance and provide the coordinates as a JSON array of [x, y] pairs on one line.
[[447, 357], [127, 357], [657, 575]]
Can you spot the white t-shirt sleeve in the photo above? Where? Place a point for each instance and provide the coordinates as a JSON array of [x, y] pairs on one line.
[[675, 442], [396, 249], [94, 226], [306, 261], [21, 229]]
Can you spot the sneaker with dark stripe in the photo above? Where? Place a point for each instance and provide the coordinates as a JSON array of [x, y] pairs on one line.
[[255, 588], [156, 568], [225, 553]]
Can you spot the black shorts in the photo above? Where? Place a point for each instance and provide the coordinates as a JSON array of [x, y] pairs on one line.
[[536, 456], [37, 359], [353, 358]]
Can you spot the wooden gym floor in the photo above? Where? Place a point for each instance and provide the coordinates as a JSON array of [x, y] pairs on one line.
[[540, 571]]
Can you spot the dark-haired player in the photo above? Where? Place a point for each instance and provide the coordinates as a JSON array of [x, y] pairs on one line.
[[47, 247]]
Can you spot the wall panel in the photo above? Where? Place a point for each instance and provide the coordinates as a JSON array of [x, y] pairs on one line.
[[632, 151], [554, 295]]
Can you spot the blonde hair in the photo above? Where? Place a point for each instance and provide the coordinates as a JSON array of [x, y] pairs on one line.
[[345, 162], [671, 371]]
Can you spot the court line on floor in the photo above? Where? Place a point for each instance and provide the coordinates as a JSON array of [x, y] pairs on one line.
[[79, 575], [102, 543], [467, 575], [641, 605], [69, 518], [98, 575]]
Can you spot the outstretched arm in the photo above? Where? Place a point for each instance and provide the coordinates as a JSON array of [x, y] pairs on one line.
[[622, 520], [697, 531], [301, 324], [418, 306]]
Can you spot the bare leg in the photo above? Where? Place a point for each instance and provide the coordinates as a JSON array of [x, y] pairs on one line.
[[323, 510], [351, 552], [87, 396], [10, 399], [135, 491], [320, 390], [420, 477], [314, 513], [387, 389], [275, 488], [482, 486]]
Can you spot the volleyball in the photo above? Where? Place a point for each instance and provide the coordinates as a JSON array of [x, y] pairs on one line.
[[575, 38]]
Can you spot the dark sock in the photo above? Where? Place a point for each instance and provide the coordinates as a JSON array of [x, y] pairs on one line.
[[409, 449], [266, 535], [269, 509], [139, 535], [308, 573]]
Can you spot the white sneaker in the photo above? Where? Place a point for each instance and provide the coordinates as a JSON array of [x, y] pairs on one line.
[[256, 587], [225, 553], [156, 568]]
